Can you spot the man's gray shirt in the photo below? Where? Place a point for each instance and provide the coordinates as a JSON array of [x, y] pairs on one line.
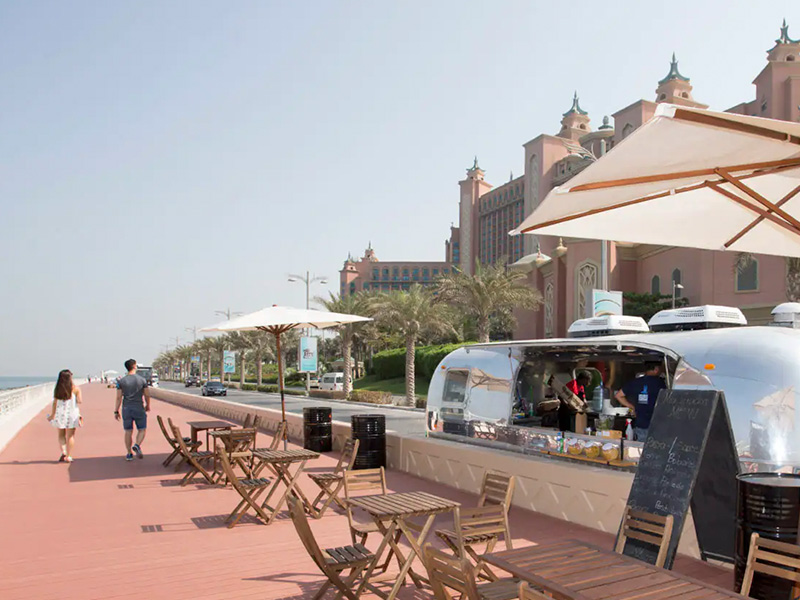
[[132, 387]]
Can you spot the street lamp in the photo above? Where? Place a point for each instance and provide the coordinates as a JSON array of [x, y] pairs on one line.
[[675, 287], [193, 331], [227, 313], [308, 280]]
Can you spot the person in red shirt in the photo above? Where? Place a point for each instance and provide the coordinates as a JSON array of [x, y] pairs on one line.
[[578, 387]]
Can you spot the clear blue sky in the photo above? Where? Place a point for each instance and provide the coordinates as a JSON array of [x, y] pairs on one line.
[[162, 160]]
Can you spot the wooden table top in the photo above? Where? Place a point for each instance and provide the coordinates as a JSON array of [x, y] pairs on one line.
[[573, 570], [404, 504], [285, 456], [209, 424]]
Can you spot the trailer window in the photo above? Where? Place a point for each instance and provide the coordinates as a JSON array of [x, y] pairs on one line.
[[455, 386]]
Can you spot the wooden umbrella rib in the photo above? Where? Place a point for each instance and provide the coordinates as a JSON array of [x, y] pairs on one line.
[[714, 121], [760, 211], [787, 162], [758, 220], [758, 198]]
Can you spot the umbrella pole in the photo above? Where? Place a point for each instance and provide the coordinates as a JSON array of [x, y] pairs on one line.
[[280, 386]]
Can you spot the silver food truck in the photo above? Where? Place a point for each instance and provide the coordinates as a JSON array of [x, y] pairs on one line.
[[503, 394]]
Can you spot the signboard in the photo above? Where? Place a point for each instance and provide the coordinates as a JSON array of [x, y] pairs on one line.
[[689, 460], [229, 361], [601, 302], [308, 355], [196, 360]]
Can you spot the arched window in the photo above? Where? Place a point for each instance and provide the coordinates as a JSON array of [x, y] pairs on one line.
[[676, 278], [627, 130], [549, 294], [585, 280], [662, 97], [655, 285], [747, 276]]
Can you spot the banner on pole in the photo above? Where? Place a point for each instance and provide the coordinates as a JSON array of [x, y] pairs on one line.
[[229, 361], [601, 302], [308, 355]]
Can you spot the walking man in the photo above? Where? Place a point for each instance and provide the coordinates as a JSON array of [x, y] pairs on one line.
[[134, 397]]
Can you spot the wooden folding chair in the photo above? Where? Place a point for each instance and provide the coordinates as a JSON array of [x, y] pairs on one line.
[[195, 460], [485, 523], [249, 489], [331, 483], [258, 421], [770, 557], [248, 421], [279, 435], [237, 445], [648, 528], [176, 452], [456, 574], [526, 592], [333, 562]]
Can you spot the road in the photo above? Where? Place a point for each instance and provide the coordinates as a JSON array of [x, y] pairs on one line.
[[401, 421]]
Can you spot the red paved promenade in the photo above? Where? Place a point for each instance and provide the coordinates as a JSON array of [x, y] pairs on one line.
[[105, 528]]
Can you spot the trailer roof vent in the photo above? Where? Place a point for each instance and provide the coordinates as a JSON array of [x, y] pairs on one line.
[[697, 317], [607, 325], [787, 315]]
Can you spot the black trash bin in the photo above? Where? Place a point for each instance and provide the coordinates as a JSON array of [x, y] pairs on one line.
[[317, 429], [370, 431], [769, 505]]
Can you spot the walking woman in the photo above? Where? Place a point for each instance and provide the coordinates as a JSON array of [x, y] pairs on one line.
[[66, 415]]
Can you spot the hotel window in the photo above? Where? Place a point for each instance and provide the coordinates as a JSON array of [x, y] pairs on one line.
[[676, 279], [436, 272], [655, 285], [747, 276], [415, 274], [384, 286], [386, 273], [425, 275], [405, 274], [376, 273], [445, 271], [352, 288], [395, 273]]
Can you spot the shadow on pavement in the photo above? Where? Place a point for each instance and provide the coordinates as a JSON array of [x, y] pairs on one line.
[[98, 468]]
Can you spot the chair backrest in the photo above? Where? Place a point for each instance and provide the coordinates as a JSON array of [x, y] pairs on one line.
[[648, 528], [497, 488], [239, 440], [446, 572], [347, 457], [258, 421], [771, 557], [280, 433], [489, 520], [179, 440], [364, 479], [526, 592], [170, 439], [304, 532], [248, 421]]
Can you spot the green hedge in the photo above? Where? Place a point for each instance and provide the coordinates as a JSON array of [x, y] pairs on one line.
[[371, 397], [389, 364]]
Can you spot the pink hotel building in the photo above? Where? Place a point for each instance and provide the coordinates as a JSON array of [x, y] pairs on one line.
[[564, 269]]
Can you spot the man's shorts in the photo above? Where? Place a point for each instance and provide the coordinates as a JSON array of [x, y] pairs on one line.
[[134, 414]]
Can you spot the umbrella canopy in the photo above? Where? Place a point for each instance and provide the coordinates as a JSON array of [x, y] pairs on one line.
[[280, 319], [284, 318], [777, 409], [688, 177]]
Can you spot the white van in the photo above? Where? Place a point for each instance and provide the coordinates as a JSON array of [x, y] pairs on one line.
[[333, 382]]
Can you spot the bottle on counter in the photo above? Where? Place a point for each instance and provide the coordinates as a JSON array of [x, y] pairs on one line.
[[628, 430]]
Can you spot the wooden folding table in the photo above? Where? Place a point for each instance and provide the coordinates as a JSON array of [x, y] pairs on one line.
[[390, 512], [239, 445], [281, 462], [573, 570], [207, 426]]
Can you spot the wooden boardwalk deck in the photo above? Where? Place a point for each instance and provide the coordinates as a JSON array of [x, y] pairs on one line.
[[103, 528]]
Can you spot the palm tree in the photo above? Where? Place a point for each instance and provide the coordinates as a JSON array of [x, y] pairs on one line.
[[490, 290], [218, 345], [259, 344], [205, 348], [413, 314], [241, 343], [350, 304]]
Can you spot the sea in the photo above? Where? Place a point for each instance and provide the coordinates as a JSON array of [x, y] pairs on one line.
[[7, 383]]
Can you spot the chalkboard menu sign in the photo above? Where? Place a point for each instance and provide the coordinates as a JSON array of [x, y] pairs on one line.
[[689, 459]]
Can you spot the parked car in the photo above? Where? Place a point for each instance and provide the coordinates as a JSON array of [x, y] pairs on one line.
[[213, 388], [313, 383], [192, 380], [154, 380], [332, 382]]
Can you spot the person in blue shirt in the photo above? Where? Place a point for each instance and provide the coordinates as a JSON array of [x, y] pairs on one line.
[[640, 396]]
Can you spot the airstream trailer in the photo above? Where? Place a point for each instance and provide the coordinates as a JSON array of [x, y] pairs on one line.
[[491, 393]]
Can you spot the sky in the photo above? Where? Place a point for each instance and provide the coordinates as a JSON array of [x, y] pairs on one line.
[[160, 161]]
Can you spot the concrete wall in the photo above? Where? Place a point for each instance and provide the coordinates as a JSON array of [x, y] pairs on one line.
[[581, 494]]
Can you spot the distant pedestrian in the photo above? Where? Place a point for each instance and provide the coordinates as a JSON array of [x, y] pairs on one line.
[[134, 397], [65, 413]]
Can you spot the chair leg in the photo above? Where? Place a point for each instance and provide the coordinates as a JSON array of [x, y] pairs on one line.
[[171, 457], [333, 496]]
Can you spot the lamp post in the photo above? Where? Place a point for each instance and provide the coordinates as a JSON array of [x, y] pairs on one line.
[[308, 280], [675, 287], [193, 331]]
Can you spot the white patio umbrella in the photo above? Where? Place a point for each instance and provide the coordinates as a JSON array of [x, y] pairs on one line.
[[688, 177], [280, 319]]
